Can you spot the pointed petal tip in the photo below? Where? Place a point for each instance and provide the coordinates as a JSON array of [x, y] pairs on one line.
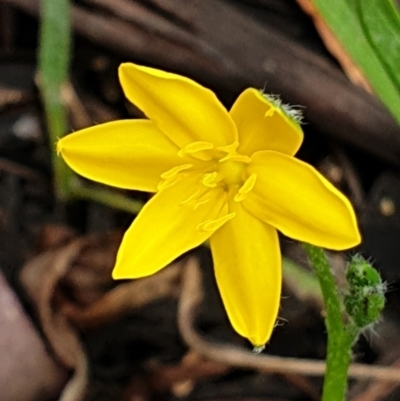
[[115, 275], [351, 241], [124, 71], [356, 238], [59, 147], [296, 199], [123, 67], [262, 125], [257, 349], [170, 99], [126, 65], [351, 236], [124, 271], [259, 339], [124, 268], [247, 265]]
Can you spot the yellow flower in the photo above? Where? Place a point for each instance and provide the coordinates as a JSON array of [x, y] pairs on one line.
[[230, 177]]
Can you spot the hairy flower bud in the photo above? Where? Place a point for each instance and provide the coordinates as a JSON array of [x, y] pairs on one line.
[[366, 297]]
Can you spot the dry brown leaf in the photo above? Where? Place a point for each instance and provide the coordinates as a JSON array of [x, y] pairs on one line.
[[40, 278], [71, 288]]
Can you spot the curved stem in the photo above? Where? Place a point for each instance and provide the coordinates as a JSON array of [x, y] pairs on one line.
[[104, 196], [340, 336]]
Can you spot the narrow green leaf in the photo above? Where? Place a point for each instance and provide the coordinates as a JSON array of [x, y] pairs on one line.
[[55, 42], [380, 20], [54, 54], [341, 17]]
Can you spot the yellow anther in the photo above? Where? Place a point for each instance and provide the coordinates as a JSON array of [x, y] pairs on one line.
[[200, 203], [195, 147], [213, 224], [168, 182], [198, 150], [192, 197], [245, 188], [175, 170], [210, 179], [236, 158], [230, 149]]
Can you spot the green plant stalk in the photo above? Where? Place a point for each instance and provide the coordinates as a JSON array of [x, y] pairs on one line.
[[104, 196], [54, 53], [55, 114], [54, 59], [340, 336]]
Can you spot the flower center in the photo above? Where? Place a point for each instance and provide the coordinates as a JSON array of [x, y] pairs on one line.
[[232, 172], [223, 168]]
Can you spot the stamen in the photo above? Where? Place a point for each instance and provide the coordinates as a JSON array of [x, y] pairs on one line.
[[197, 150], [200, 203], [210, 179], [195, 147], [236, 158], [245, 188], [200, 197], [230, 149], [175, 170], [191, 197], [168, 182], [171, 176], [212, 225]]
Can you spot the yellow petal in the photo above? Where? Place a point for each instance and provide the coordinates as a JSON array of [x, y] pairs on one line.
[[129, 154], [293, 197], [263, 126], [167, 226], [184, 110], [247, 265]]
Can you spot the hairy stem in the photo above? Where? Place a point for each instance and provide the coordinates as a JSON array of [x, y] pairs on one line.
[[341, 336]]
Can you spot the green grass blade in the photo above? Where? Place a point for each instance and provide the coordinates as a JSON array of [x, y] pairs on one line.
[[342, 18], [54, 54], [380, 20]]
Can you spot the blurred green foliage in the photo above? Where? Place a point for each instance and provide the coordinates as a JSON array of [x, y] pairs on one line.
[[369, 31], [53, 78], [54, 58]]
